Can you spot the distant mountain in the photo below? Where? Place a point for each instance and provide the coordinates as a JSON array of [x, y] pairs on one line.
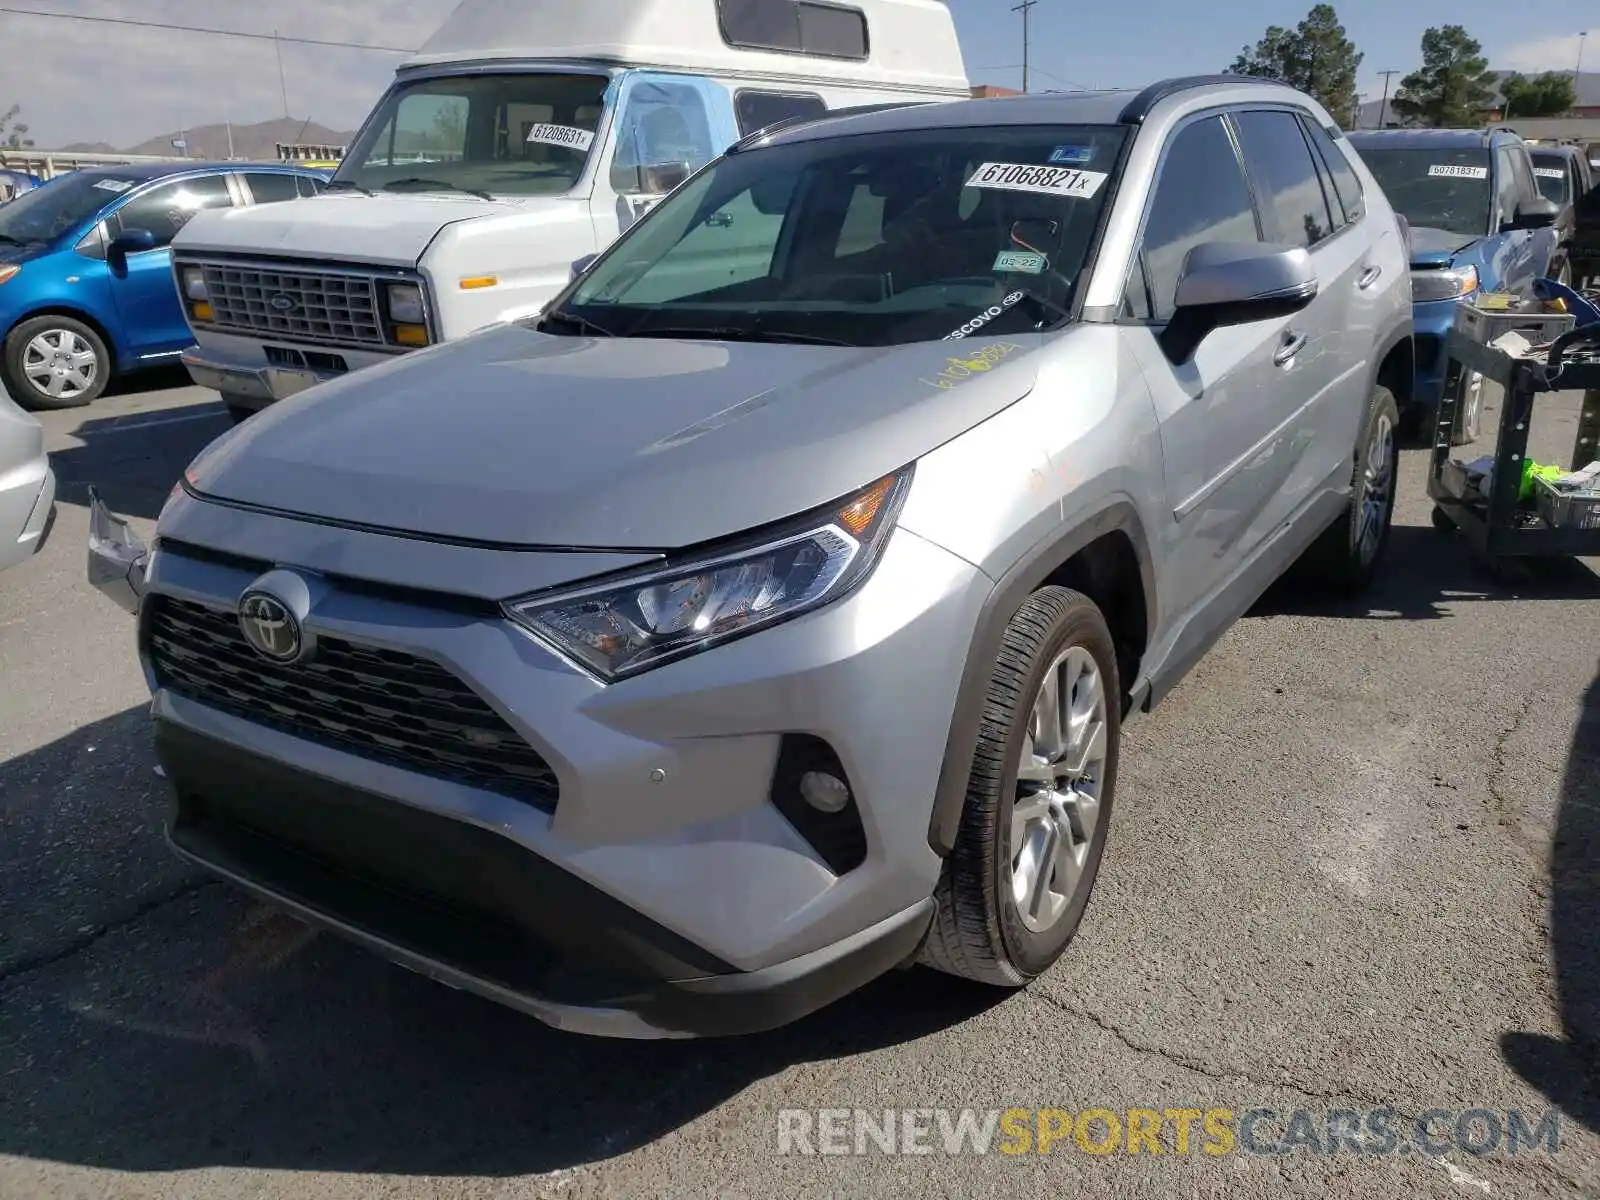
[[256, 141]]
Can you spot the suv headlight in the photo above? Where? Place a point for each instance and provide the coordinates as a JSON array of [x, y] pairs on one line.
[[1443, 285], [624, 627], [194, 284], [405, 303]]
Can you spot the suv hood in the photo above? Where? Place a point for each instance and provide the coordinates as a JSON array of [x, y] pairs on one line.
[[1436, 247], [388, 229], [515, 437]]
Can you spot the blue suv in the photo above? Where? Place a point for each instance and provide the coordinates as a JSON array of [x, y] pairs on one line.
[[86, 286], [1478, 223]]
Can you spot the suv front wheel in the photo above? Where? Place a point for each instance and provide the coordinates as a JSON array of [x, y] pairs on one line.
[[1347, 554], [1038, 799]]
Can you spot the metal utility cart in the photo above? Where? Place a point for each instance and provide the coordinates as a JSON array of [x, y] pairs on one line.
[[1499, 526]]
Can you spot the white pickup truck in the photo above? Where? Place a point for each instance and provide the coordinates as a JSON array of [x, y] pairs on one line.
[[521, 139]]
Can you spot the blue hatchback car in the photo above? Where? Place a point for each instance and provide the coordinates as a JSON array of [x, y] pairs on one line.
[[86, 286], [1478, 224]]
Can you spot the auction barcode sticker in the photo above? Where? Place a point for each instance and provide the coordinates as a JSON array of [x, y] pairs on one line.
[[1549, 172], [1050, 181], [1455, 172], [560, 135]]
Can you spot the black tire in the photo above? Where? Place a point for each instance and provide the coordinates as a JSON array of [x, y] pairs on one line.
[[1441, 521], [27, 393], [1341, 558], [978, 931]]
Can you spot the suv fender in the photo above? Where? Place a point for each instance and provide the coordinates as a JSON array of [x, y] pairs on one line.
[[1024, 577]]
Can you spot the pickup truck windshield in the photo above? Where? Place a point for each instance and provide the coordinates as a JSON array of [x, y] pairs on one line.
[[58, 207], [1435, 189], [873, 239], [516, 134]]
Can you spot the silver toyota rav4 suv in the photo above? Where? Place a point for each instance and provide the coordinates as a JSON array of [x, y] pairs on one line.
[[764, 616]]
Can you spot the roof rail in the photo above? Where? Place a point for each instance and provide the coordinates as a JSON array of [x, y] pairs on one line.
[[1139, 107]]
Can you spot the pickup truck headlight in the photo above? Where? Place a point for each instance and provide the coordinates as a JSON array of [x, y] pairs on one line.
[[621, 628], [194, 284], [405, 304], [1448, 284]]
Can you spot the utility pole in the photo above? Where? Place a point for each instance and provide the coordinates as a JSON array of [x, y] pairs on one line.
[[283, 84], [1023, 9], [1383, 105], [1578, 70]]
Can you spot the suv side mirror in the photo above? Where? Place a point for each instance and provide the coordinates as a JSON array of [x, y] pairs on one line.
[[129, 241], [581, 265], [1537, 213], [1235, 283]]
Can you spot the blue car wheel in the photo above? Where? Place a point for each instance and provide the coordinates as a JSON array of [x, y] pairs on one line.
[[54, 361]]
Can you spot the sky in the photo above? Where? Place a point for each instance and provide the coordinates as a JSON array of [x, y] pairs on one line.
[[91, 82]]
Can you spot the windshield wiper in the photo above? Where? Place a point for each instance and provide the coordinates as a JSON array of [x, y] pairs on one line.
[[732, 333], [441, 184], [340, 185], [574, 321]]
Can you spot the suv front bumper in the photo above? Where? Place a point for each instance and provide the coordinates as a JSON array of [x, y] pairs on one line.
[[660, 890]]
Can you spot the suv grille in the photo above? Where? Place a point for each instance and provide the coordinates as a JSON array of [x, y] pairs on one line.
[[295, 304], [380, 704]]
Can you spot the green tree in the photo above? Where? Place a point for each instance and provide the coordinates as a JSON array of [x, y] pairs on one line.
[[1315, 57], [1547, 95], [14, 134], [1454, 86]]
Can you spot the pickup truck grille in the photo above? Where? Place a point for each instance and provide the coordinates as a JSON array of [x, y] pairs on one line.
[[377, 703], [295, 304]]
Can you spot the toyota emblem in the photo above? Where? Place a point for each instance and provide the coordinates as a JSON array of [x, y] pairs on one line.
[[270, 628], [283, 302]]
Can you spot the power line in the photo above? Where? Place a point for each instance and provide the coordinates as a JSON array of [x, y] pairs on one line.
[[233, 33]]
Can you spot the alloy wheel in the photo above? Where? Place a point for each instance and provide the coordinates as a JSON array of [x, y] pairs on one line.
[[1055, 818], [1376, 486]]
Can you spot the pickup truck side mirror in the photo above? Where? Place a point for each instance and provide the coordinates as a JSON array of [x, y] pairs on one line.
[[1537, 213], [581, 265], [129, 241], [1235, 283], [658, 179]]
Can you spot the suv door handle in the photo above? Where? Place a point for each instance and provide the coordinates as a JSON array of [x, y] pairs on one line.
[[1369, 277], [1293, 343]]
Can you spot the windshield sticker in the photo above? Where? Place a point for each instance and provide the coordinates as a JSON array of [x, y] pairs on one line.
[[983, 318], [1549, 172], [958, 370], [569, 136], [114, 185], [1454, 172], [1077, 156], [1049, 181], [1024, 262]]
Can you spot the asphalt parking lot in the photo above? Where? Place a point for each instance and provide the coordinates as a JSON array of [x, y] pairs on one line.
[[1353, 866]]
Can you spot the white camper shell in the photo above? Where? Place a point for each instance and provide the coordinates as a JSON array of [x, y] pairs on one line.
[[525, 135]]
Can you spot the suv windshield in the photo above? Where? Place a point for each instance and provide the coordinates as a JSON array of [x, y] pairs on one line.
[[1551, 172], [875, 239], [59, 206], [1435, 189], [525, 134]]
